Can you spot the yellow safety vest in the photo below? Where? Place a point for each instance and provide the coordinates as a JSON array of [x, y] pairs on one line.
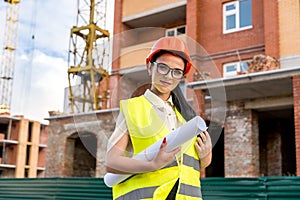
[[145, 128]]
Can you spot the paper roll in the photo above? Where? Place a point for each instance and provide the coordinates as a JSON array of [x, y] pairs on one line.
[[174, 139]]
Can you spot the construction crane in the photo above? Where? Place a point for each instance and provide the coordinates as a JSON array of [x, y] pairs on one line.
[[88, 58], [8, 55]]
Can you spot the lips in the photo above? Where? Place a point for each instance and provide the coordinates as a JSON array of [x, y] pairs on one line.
[[165, 83]]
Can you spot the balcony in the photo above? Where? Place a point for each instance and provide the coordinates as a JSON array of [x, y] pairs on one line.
[[156, 14]]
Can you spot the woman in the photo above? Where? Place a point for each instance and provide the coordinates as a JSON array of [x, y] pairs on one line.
[[150, 117]]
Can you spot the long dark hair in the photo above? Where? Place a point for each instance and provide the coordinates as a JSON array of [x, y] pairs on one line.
[[182, 105]]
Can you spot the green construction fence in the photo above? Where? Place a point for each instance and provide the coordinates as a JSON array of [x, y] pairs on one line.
[[264, 188]]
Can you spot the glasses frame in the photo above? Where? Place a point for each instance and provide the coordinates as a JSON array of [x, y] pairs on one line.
[[169, 69]]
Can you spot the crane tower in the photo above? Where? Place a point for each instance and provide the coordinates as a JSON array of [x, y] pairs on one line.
[[8, 55], [88, 58]]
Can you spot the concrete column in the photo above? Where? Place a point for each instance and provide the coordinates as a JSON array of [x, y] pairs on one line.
[[34, 151], [21, 151], [241, 147]]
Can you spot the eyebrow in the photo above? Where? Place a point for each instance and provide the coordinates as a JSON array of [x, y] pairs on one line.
[[169, 66]]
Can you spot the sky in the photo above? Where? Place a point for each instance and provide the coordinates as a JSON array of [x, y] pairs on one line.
[[40, 73]]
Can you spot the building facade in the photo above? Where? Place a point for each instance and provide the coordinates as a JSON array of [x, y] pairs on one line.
[[245, 80]]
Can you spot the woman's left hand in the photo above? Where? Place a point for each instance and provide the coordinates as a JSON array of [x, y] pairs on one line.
[[203, 145]]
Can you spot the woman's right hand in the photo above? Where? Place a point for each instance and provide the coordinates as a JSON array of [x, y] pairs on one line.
[[117, 162], [163, 158]]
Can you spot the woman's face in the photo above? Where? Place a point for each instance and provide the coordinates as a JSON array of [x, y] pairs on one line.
[[162, 85]]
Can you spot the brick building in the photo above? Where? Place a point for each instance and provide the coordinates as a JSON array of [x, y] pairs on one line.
[[245, 83], [77, 143]]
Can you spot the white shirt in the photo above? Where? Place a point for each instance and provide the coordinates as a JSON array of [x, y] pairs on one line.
[[163, 108]]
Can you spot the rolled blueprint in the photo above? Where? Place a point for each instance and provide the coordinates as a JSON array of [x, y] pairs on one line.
[[174, 139]]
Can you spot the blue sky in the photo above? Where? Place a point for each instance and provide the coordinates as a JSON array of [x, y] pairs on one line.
[[41, 62]]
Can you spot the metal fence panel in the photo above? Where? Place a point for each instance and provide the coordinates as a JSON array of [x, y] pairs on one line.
[[282, 187], [54, 188], [232, 188], [261, 188]]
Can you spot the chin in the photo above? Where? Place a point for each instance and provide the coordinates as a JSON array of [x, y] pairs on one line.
[[163, 90]]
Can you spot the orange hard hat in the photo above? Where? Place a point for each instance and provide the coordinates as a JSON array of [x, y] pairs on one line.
[[173, 45]]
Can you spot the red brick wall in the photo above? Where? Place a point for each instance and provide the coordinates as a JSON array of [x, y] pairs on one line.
[[118, 17], [215, 42], [271, 25], [193, 18], [44, 134], [296, 92], [42, 157], [241, 147], [211, 28], [274, 154], [60, 129], [199, 103], [15, 130], [113, 81], [11, 155], [192, 21]]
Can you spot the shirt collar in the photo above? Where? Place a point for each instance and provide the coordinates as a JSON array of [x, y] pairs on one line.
[[155, 100]]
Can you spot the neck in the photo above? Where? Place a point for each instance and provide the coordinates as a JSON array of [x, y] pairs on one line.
[[163, 96]]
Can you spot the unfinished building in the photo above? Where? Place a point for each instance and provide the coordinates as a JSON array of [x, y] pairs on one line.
[[23, 146], [245, 83]]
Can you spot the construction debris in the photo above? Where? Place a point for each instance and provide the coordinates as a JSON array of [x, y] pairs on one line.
[[261, 63]]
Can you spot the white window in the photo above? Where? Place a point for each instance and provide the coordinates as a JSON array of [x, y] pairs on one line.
[[175, 31], [233, 69], [237, 15]]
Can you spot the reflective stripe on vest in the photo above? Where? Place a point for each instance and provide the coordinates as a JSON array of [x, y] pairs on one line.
[[191, 162], [141, 193], [189, 190]]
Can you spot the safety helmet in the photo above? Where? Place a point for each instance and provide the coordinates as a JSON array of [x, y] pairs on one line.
[[173, 45]]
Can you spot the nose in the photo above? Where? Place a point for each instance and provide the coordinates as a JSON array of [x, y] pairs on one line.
[[169, 74]]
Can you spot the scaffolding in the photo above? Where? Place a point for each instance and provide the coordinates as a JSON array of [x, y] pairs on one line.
[[9, 54]]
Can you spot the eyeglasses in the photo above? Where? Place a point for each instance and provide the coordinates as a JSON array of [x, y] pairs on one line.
[[164, 69]]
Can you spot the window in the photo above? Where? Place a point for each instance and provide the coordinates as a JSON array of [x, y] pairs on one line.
[[232, 69], [175, 31], [237, 15]]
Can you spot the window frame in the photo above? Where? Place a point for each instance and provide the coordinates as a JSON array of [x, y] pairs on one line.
[[237, 14], [175, 29], [238, 68]]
